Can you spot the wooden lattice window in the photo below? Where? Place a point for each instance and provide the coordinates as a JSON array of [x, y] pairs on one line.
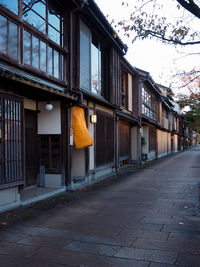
[[50, 153], [11, 140]]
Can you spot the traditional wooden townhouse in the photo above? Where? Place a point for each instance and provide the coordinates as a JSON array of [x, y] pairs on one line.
[[168, 137], [37, 89], [106, 83], [67, 109], [146, 98], [72, 109]]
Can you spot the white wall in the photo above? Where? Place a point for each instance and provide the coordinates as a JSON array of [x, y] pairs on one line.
[[49, 122]]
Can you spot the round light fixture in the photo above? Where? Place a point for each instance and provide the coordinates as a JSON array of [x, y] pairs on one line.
[[48, 106]]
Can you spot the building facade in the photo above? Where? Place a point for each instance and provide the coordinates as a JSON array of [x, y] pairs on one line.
[[73, 109]]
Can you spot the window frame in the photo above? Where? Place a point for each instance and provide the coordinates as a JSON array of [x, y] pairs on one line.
[[102, 71], [148, 103], [25, 26]]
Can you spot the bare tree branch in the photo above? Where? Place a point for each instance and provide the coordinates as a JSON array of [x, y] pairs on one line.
[[190, 6]]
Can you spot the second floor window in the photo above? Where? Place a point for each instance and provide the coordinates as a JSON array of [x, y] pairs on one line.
[[44, 17], [148, 103], [8, 37], [124, 89], [91, 61], [21, 38]]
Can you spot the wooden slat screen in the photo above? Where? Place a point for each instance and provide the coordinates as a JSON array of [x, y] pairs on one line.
[[11, 140], [124, 139], [104, 138], [50, 153]]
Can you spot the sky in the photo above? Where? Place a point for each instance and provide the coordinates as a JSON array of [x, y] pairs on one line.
[[162, 61]]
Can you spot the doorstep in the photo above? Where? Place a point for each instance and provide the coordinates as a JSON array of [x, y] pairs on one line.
[[35, 194]]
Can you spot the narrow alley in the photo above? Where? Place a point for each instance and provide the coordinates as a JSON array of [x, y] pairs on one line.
[[149, 217]]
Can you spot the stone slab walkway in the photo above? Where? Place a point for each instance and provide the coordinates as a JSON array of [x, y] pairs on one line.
[[149, 217]]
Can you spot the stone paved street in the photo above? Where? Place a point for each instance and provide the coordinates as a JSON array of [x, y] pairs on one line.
[[146, 217]]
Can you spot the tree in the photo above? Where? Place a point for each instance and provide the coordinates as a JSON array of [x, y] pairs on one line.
[[174, 22], [147, 21], [192, 115]]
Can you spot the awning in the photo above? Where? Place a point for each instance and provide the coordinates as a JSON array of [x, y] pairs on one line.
[[82, 136]]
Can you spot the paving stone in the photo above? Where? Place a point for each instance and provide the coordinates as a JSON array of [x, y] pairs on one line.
[[144, 234], [45, 242], [190, 260], [109, 240], [20, 250], [70, 258], [92, 248], [169, 245], [10, 236], [64, 234], [142, 226], [27, 230], [195, 245], [100, 261], [155, 264], [147, 254]]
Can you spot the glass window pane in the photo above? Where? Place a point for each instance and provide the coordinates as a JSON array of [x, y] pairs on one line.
[[54, 20], [84, 56], [27, 47], [12, 5], [35, 20], [50, 61], [37, 6], [62, 67], [13, 40], [54, 35], [35, 52], [43, 56], [3, 35], [56, 64], [94, 69]]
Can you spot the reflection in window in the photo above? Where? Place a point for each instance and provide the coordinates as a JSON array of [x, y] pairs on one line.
[[95, 66], [43, 56], [8, 37], [90, 61], [27, 47], [35, 54], [56, 64], [50, 23], [3, 35], [12, 5], [35, 20], [50, 61]]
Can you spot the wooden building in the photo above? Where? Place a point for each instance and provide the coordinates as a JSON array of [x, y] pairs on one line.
[[73, 110]]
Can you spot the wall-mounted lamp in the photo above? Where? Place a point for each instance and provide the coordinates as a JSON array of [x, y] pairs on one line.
[[48, 106], [93, 118]]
